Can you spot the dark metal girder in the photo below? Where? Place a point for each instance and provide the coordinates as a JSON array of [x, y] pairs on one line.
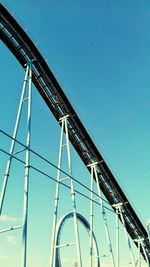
[[18, 42]]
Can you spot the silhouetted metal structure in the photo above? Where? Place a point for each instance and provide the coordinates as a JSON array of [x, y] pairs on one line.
[[25, 51]]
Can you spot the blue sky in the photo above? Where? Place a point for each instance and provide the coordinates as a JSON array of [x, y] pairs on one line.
[[99, 53]]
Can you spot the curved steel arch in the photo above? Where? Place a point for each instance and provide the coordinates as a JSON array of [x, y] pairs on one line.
[[85, 223], [19, 43]]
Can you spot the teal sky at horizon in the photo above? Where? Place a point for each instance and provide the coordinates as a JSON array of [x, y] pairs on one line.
[[100, 54]]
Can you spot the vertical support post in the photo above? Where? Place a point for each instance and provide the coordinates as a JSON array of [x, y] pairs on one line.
[[53, 242], [94, 173], [117, 239], [27, 167], [127, 236], [139, 253], [91, 218], [105, 219], [12, 147], [64, 128], [148, 230], [143, 248], [73, 198]]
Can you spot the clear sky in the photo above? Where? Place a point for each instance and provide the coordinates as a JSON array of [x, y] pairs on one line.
[[99, 52]]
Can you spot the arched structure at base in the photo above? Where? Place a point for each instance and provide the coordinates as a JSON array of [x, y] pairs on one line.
[[86, 225]]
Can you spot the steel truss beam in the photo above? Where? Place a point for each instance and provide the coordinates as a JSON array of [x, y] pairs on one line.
[[18, 42]]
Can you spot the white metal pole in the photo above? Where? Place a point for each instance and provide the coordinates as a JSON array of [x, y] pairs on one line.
[[147, 260], [27, 167], [91, 218], [127, 237], [52, 257], [73, 198], [64, 128], [148, 229], [12, 147], [139, 253], [104, 219], [117, 238]]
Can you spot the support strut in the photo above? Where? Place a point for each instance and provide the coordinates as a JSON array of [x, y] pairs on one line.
[[27, 80], [64, 129]]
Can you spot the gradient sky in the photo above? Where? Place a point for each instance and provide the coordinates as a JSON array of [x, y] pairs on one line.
[[99, 52]]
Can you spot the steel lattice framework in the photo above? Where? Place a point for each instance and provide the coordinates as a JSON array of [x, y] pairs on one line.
[[22, 47]]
